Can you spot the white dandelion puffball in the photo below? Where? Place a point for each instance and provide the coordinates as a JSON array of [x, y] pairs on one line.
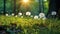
[[12, 14], [36, 0], [31, 15], [44, 18], [36, 17], [45, 0], [53, 13], [42, 15], [19, 14], [28, 13], [16, 16], [6, 14]]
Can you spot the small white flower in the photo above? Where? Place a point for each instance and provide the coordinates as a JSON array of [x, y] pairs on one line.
[[45, 0], [44, 18], [42, 15], [20, 14], [16, 16], [6, 14], [31, 15], [28, 13], [12, 14], [36, 0], [53, 13], [36, 17]]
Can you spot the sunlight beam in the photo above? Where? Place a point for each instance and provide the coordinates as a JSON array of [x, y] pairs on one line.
[[25, 1]]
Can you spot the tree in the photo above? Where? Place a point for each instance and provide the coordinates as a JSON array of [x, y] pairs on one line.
[[15, 7], [19, 5], [41, 6], [58, 7], [4, 7], [54, 6]]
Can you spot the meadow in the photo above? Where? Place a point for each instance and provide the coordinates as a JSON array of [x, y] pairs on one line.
[[29, 25]]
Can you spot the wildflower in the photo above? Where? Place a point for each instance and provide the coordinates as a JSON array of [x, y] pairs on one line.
[[6, 14], [19, 14], [36, 0], [16, 16], [42, 15], [44, 18], [12, 14], [45, 0], [31, 15], [36, 17], [28, 13], [53, 13]]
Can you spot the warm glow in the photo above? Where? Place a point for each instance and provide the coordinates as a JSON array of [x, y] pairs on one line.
[[25, 1]]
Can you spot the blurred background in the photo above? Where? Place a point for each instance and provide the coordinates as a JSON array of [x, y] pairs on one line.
[[15, 6]]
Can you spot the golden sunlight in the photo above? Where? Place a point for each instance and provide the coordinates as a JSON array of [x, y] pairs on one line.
[[25, 1]]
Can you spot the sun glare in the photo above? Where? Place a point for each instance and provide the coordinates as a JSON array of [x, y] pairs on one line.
[[25, 1]]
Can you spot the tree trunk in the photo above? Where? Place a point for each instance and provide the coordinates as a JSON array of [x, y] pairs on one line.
[[14, 10], [52, 7], [41, 6], [58, 7], [4, 7]]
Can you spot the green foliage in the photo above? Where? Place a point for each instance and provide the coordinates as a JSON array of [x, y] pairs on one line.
[[33, 26], [33, 6]]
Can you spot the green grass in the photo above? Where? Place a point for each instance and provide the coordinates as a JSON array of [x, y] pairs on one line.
[[33, 26]]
